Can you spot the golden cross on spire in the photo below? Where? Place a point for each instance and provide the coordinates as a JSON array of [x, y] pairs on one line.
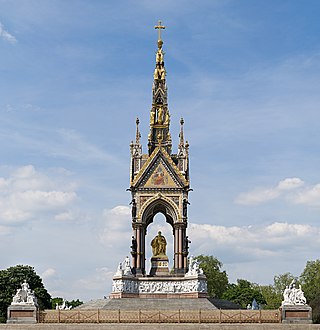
[[159, 27]]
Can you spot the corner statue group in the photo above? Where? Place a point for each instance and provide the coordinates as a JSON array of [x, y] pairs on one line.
[[159, 244]]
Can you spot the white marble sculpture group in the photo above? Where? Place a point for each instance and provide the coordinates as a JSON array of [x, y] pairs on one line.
[[194, 267], [124, 268], [24, 296], [293, 296]]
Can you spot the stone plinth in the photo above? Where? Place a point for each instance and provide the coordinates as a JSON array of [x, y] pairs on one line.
[[25, 314], [159, 266], [296, 314], [159, 287]]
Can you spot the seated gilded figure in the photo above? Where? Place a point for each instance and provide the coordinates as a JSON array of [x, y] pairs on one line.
[[159, 245]]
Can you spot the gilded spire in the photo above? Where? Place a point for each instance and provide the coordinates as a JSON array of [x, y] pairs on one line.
[[159, 114]]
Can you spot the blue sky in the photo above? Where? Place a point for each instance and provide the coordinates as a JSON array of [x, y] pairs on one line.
[[74, 75]]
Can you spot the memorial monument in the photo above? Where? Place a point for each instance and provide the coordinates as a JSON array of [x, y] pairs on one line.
[[294, 306], [24, 306], [159, 183]]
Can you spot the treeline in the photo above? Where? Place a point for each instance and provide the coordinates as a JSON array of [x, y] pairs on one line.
[[267, 296], [11, 279]]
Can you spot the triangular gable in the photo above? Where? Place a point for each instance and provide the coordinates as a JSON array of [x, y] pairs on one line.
[[160, 171], [159, 177]]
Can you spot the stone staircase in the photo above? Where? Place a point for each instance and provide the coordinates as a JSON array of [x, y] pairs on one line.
[[148, 304]]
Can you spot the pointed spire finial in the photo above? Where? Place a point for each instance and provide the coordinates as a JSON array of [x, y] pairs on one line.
[[181, 132], [138, 135]]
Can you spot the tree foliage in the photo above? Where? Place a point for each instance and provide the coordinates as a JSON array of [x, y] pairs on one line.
[[243, 293], [281, 281], [11, 279], [56, 301], [216, 278], [272, 298], [74, 303], [310, 282], [59, 301]]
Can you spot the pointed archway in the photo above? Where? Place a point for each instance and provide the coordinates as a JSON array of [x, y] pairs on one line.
[[160, 204]]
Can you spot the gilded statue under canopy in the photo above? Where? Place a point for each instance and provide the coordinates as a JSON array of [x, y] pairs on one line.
[[160, 116], [159, 73], [152, 117], [167, 118], [159, 245]]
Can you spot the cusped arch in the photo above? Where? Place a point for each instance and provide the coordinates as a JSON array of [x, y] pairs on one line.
[[156, 204]]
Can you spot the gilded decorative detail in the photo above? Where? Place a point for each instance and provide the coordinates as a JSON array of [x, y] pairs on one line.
[[143, 199]]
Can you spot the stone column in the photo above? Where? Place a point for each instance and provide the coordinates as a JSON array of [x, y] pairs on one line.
[[143, 250], [138, 231], [176, 245], [134, 255], [180, 249]]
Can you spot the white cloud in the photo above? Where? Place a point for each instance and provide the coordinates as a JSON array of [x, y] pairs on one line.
[[79, 148], [257, 196], [96, 281], [26, 193], [117, 225], [290, 183], [65, 216], [261, 195], [50, 272], [236, 244], [5, 35], [309, 196]]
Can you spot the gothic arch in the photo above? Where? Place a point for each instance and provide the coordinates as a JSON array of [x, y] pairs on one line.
[[156, 204]]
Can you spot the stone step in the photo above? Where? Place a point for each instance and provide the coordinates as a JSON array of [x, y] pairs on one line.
[[149, 304]]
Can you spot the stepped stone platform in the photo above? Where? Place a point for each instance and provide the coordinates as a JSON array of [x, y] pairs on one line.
[[148, 304]]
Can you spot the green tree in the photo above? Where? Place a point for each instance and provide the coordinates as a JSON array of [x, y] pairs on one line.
[[281, 281], [310, 282], [59, 301], [310, 279], [272, 298], [11, 279], [55, 301], [74, 303], [216, 278], [243, 293]]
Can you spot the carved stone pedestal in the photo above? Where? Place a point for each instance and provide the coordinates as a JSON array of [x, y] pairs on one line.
[[22, 314], [159, 266], [159, 287], [296, 314]]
